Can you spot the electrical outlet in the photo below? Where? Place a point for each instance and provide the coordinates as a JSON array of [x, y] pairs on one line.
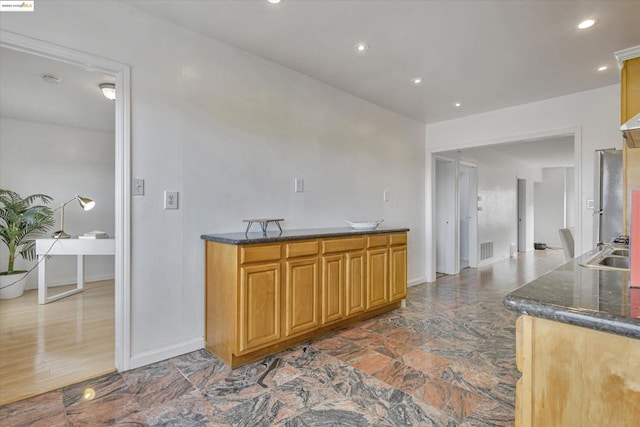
[[171, 200], [138, 187], [299, 185]]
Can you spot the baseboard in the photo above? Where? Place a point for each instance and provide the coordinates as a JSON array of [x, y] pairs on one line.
[[72, 280], [418, 281], [164, 353]]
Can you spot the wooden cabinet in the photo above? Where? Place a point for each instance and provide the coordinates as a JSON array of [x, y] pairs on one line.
[[260, 307], [377, 277], [263, 298], [386, 269], [630, 106], [356, 285], [398, 266], [339, 258], [301, 296], [398, 272], [333, 288], [574, 376]]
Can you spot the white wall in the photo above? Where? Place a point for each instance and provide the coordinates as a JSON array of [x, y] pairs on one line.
[[549, 214], [554, 204], [593, 116], [230, 132], [61, 161]]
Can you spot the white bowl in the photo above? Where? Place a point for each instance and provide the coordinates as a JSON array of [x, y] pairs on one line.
[[364, 225]]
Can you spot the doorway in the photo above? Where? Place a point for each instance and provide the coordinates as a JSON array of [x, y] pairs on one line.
[[121, 75], [456, 206]]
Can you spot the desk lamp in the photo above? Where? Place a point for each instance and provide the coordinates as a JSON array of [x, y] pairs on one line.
[[85, 203]]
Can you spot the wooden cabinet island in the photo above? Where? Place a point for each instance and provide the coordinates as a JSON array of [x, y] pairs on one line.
[[268, 291]]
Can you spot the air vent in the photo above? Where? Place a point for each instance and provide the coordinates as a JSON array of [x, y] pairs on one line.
[[486, 250]]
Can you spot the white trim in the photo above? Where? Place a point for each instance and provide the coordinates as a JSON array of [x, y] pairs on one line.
[[433, 154], [122, 74], [626, 54], [165, 353], [417, 281]]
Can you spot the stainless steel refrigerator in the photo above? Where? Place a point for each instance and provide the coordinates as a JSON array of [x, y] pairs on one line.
[[608, 199]]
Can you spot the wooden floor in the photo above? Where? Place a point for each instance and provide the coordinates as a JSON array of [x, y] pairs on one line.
[[45, 347]]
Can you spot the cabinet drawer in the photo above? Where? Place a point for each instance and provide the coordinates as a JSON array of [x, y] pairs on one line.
[[342, 245], [301, 249], [399, 239], [377, 240], [259, 253]]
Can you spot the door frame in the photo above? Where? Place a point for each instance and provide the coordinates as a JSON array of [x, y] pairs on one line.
[[122, 74], [433, 152]]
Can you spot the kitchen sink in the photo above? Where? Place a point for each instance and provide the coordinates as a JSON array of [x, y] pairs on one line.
[[609, 258], [615, 261]]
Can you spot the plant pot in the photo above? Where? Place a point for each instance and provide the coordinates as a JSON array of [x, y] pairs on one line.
[[9, 289]]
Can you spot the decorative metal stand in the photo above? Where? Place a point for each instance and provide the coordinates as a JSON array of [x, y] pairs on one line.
[[263, 224]]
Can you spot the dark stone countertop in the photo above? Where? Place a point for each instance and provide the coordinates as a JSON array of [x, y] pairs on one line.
[[289, 235], [595, 299]]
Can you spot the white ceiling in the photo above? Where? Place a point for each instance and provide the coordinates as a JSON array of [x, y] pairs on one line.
[[541, 153], [76, 101], [486, 54]]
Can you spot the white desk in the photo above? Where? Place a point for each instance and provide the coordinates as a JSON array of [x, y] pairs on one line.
[[78, 247]]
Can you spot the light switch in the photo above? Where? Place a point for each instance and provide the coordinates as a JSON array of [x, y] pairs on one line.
[[385, 195], [171, 200], [138, 187], [299, 185]]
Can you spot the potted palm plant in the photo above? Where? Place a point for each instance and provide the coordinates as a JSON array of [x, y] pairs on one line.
[[21, 221]]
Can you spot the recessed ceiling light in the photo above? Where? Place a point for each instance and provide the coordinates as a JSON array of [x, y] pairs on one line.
[[587, 23], [602, 68], [417, 80], [362, 47], [457, 105], [274, 1]]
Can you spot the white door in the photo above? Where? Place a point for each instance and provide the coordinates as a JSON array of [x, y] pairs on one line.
[[522, 215], [465, 214], [468, 215], [445, 216]]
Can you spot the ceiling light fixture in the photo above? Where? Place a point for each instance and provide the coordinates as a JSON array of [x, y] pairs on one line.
[[361, 47], [417, 80], [274, 1], [108, 90], [587, 23], [602, 68], [457, 105]]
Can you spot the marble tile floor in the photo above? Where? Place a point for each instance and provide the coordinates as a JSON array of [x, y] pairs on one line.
[[446, 359]]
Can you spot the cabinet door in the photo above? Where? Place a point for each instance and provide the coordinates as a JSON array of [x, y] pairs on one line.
[[356, 285], [259, 314], [301, 296], [398, 270], [377, 277], [333, 284]]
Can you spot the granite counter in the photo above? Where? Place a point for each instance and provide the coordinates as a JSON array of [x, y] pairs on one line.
[[290, 235], [580, 296]]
